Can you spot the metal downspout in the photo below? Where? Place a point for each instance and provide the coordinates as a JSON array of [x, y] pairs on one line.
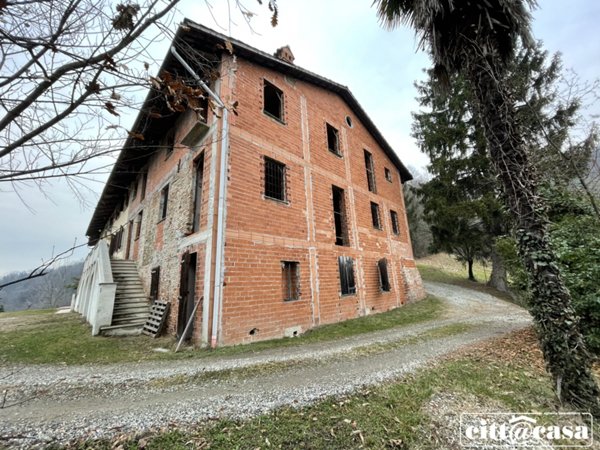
[[220, 245]]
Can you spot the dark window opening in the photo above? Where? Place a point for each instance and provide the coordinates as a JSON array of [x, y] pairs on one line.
[[134, 190], [138, 227], [333, 140], [388, 174], [169, 143], [164, 201], [347, 284], [339, 216], [291, 280], [199, 178], [274, 179], [370, 172], [154, 282], [375, 215], [349, 121], [273, 101], [384, 280], [116, 242], [143, 187], [394, 217]]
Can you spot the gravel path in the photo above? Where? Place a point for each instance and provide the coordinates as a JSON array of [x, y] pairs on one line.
[[58, 404]]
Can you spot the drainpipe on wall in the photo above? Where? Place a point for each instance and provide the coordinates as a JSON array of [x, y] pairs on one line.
[[220, 245]]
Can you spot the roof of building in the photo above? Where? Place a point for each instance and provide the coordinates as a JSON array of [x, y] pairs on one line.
[[135, 154]]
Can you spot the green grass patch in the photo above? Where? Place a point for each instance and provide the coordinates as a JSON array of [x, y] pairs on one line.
[[66, 339], [390, 416], [443, 268], [26, 312]]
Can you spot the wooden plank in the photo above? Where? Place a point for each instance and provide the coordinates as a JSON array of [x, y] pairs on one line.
[[156, 318]]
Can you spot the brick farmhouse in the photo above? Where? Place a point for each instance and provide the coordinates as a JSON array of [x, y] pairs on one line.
[[276, 209]]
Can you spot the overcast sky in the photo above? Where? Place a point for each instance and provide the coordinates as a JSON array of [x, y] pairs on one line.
[[341, 42]]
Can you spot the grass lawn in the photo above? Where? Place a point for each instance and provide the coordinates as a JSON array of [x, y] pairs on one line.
[[47, 338], [417, 412]]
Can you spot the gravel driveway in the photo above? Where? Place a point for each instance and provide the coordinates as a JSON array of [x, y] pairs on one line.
[[58, 404]]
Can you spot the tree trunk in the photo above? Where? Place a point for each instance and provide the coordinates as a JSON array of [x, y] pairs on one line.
[[498, 275], [470, 266], [565, 352]]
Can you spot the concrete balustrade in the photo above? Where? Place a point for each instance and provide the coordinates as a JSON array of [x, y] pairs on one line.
[[95, 296]]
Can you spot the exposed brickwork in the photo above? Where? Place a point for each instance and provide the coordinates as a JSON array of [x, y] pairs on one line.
[[261, 233]]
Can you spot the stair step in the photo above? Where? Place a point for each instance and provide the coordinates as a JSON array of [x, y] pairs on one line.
[[122, 329]]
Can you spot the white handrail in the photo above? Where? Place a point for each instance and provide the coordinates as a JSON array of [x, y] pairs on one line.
[[95, 298]]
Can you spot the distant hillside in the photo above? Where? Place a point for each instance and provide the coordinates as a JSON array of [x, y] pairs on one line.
[[50, 291]]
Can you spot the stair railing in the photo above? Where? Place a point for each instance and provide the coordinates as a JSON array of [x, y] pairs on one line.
[[95, 298]]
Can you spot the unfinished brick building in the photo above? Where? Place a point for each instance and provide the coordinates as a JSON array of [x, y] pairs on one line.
[[277, 209]]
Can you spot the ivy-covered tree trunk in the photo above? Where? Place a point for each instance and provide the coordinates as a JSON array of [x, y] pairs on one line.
[[564, 349]]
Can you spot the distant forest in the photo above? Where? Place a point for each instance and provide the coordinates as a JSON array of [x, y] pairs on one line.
[[50, 291]]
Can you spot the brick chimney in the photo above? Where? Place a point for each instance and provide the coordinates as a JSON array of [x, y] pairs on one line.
[[285, 54]]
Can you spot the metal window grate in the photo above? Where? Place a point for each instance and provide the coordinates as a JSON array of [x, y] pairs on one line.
[[274, 179], [375, 215]]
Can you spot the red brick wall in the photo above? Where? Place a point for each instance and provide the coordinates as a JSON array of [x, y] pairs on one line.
[[261, 232]]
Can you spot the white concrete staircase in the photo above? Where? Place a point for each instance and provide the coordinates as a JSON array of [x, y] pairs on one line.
[[131, 303]]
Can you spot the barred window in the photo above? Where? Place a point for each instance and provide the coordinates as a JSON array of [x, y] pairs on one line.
[[384, 280], [347, 284], [274, 179], [375, 215]]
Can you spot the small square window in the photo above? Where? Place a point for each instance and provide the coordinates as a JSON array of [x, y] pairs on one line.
[[347, 284], [333, 140], [388, 174], [274, 179], [291, 280], [375, 215], [394, 218], [164, 201], [384, 280], [273, 101]]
